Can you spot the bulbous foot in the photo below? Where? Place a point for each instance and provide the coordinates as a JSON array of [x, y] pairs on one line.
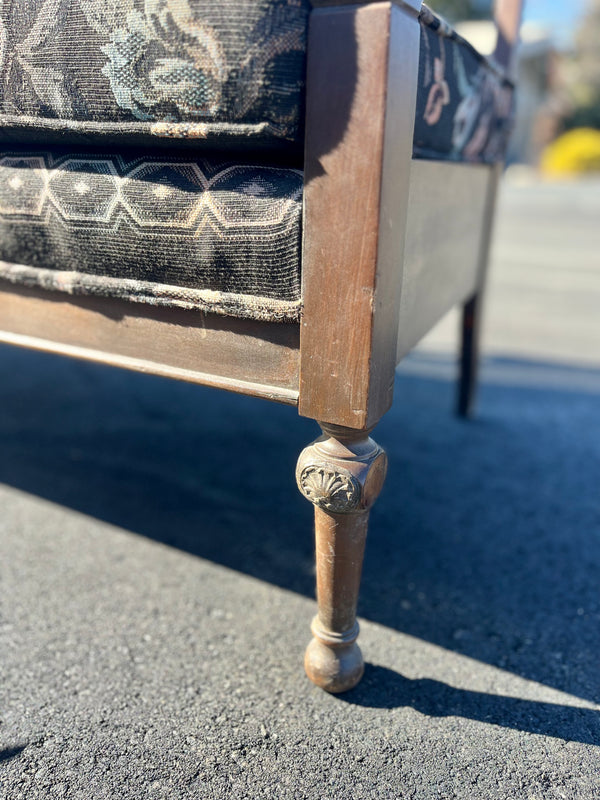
[[334, 668]]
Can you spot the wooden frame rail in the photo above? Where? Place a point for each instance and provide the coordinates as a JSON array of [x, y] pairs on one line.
[[358, 180], [244, 356]]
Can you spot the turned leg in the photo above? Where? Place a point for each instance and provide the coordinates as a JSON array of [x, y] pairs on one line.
[[469, 356], [341, 473]]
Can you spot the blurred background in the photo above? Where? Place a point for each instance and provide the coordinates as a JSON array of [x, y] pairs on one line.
[[543, 296], [558, 102]]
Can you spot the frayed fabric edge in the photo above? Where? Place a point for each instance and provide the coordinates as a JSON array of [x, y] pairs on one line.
[[242, 306]]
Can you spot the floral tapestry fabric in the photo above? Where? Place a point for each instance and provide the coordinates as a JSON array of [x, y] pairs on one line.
[[464, 105], [192, 233], [215, 74], [200, 69]]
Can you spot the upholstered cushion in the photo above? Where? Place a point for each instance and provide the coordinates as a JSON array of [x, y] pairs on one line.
[[168, 227], [176, 231], [215, 74], [226, 71], [464, 103]]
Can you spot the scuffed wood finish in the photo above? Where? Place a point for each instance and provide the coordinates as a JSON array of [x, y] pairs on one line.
[[341, 473], [442, 264], [359, 124], [507, 15], [255, 358]]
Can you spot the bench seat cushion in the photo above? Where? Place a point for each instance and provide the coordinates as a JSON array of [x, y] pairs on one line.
[[222, 72], [194, 233], [213, 75], [464, 103]]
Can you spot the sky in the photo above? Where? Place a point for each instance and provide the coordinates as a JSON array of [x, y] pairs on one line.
[[561, 16]]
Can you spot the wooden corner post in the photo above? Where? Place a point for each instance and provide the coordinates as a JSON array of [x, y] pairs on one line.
[[361, 97]]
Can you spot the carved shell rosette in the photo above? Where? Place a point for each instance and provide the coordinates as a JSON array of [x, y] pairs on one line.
[[333, 490]]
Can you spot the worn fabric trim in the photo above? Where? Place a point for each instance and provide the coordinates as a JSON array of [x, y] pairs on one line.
[[248, 136], [244, 306]]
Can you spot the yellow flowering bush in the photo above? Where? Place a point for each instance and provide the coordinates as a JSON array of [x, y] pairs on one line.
[[574, 152]]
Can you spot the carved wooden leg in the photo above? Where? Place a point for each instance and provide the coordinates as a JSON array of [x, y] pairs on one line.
[[341, 473], [469, 356]]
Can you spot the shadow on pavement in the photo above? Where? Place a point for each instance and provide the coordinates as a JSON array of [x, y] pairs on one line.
[[486, 540], [9, 753], [384, 688]]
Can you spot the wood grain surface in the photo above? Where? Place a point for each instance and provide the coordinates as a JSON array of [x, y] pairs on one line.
[[255, 358], [358, 149]]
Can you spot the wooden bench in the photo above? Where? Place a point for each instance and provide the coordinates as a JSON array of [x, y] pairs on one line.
[[390, 243]]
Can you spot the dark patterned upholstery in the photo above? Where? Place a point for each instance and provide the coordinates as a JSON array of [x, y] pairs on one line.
[[167, 231], [219, 74], [464, 105], [81, 78], [210, 70]]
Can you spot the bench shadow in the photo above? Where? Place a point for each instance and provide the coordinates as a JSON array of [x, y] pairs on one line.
[[485, 541], [8, 753], [384, 688]]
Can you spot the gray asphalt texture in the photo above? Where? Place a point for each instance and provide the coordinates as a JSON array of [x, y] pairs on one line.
[[156, 567]]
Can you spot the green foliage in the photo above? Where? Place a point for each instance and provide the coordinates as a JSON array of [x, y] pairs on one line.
[[585, 82], [584, 116], [456, 10]]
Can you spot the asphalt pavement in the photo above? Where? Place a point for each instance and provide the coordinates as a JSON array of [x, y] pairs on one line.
[[156, 567]]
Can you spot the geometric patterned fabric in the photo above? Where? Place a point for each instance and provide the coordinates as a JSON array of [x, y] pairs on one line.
[[167, 231]]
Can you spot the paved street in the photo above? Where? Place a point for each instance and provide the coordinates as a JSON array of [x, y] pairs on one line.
[[545, 276], [156, 568]]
